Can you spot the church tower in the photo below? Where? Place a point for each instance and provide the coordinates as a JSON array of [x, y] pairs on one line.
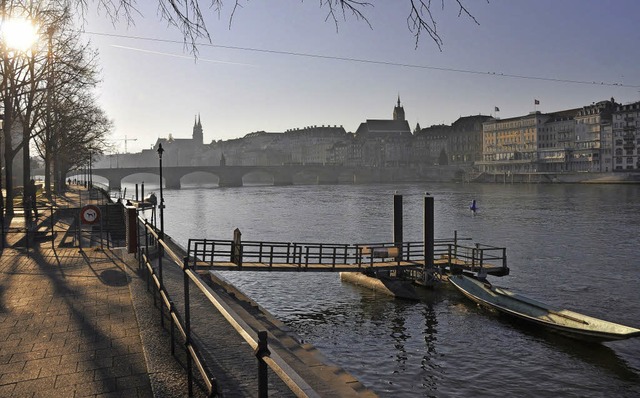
[[197, 132], [398, 111]]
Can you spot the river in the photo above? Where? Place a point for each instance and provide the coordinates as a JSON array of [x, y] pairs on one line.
[[574, 246]]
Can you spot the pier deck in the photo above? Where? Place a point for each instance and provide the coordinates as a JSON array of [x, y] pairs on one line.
[[490, 269]]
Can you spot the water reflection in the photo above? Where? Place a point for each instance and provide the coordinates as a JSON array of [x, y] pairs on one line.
[[429, 365]]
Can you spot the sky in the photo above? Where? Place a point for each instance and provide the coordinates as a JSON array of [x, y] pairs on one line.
[[153, 87]]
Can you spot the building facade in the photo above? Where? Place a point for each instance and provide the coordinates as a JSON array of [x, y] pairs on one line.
[[626, 137]]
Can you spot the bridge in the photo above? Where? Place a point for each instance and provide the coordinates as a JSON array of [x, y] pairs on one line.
[[232, 176]]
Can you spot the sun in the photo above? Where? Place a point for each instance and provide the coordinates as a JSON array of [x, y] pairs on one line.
[[18, 33]]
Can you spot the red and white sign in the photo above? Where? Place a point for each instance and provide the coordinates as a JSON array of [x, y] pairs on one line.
[[90, 214]]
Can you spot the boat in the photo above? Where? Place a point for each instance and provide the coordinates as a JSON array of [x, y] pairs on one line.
[[567, 322]]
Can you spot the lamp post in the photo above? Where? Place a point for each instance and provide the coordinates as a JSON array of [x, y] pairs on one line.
[[161, 206], [160, 248]]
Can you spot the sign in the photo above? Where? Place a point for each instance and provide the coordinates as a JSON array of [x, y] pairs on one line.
[[90, 214]]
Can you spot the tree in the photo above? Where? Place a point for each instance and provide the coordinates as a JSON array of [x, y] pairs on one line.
[[74, 126], [187, 15], [50, 96]]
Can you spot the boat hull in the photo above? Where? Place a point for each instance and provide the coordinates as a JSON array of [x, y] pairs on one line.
[[567, 322]]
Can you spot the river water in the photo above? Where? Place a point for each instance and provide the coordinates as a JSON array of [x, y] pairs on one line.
[[574, 246]]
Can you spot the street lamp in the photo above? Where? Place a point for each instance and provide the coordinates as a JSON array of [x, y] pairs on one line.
[[161, 206]]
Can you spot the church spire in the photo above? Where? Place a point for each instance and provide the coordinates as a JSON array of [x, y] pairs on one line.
[[398, 111], [197, 131]]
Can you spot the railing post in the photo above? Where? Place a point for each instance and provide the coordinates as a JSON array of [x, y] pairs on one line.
[[187, 323], [455, 242], [261, 351], [172, 332], [271, 257], [306, 257], [334, 256], [161, 287]]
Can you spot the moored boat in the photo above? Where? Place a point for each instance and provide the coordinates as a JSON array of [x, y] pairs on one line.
[[567, 322]]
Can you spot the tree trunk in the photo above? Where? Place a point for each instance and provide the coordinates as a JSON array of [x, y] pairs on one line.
[[8, 165]]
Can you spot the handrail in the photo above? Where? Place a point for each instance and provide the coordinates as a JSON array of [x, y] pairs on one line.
[[288, 375], [305, 254]]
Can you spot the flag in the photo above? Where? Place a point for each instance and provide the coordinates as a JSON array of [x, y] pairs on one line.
[[497, 109], [536, 102]]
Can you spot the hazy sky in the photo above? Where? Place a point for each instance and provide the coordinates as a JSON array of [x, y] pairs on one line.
[[155, 88]]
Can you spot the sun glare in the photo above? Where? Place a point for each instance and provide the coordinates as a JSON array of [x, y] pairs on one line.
[[18, 33]]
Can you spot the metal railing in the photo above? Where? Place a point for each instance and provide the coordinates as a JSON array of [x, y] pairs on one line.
[[362, 255], [151, 245]]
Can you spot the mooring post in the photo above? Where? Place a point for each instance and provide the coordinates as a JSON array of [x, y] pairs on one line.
[[428, 237], [397, 224], [137, 197], [142, 190], [236, 248]]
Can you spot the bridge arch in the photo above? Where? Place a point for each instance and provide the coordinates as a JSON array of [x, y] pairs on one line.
[[200, 178]]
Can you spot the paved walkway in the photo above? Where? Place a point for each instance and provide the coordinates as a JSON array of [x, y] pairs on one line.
[[69, 326]]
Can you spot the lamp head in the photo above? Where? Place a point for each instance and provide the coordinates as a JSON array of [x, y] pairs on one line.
[[160, 151]]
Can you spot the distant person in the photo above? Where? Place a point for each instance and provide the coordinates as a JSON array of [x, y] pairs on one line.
[[474, 206], [29, 197]]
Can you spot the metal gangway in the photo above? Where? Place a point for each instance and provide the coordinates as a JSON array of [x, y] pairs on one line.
[[236, 255]]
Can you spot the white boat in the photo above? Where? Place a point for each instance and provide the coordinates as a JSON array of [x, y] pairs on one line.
[[567, 322]]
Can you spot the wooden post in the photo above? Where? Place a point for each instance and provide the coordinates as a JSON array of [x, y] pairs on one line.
[[236, 248], [397, 224], [428, 232]]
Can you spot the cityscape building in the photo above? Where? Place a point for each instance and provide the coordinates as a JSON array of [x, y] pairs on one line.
[[626, 137], [601, 137]]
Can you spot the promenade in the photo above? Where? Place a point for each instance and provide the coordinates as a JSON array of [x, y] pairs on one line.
[[69, 324], [77, 319]]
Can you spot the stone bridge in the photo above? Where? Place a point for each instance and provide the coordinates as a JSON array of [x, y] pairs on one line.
[[231, 176]]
